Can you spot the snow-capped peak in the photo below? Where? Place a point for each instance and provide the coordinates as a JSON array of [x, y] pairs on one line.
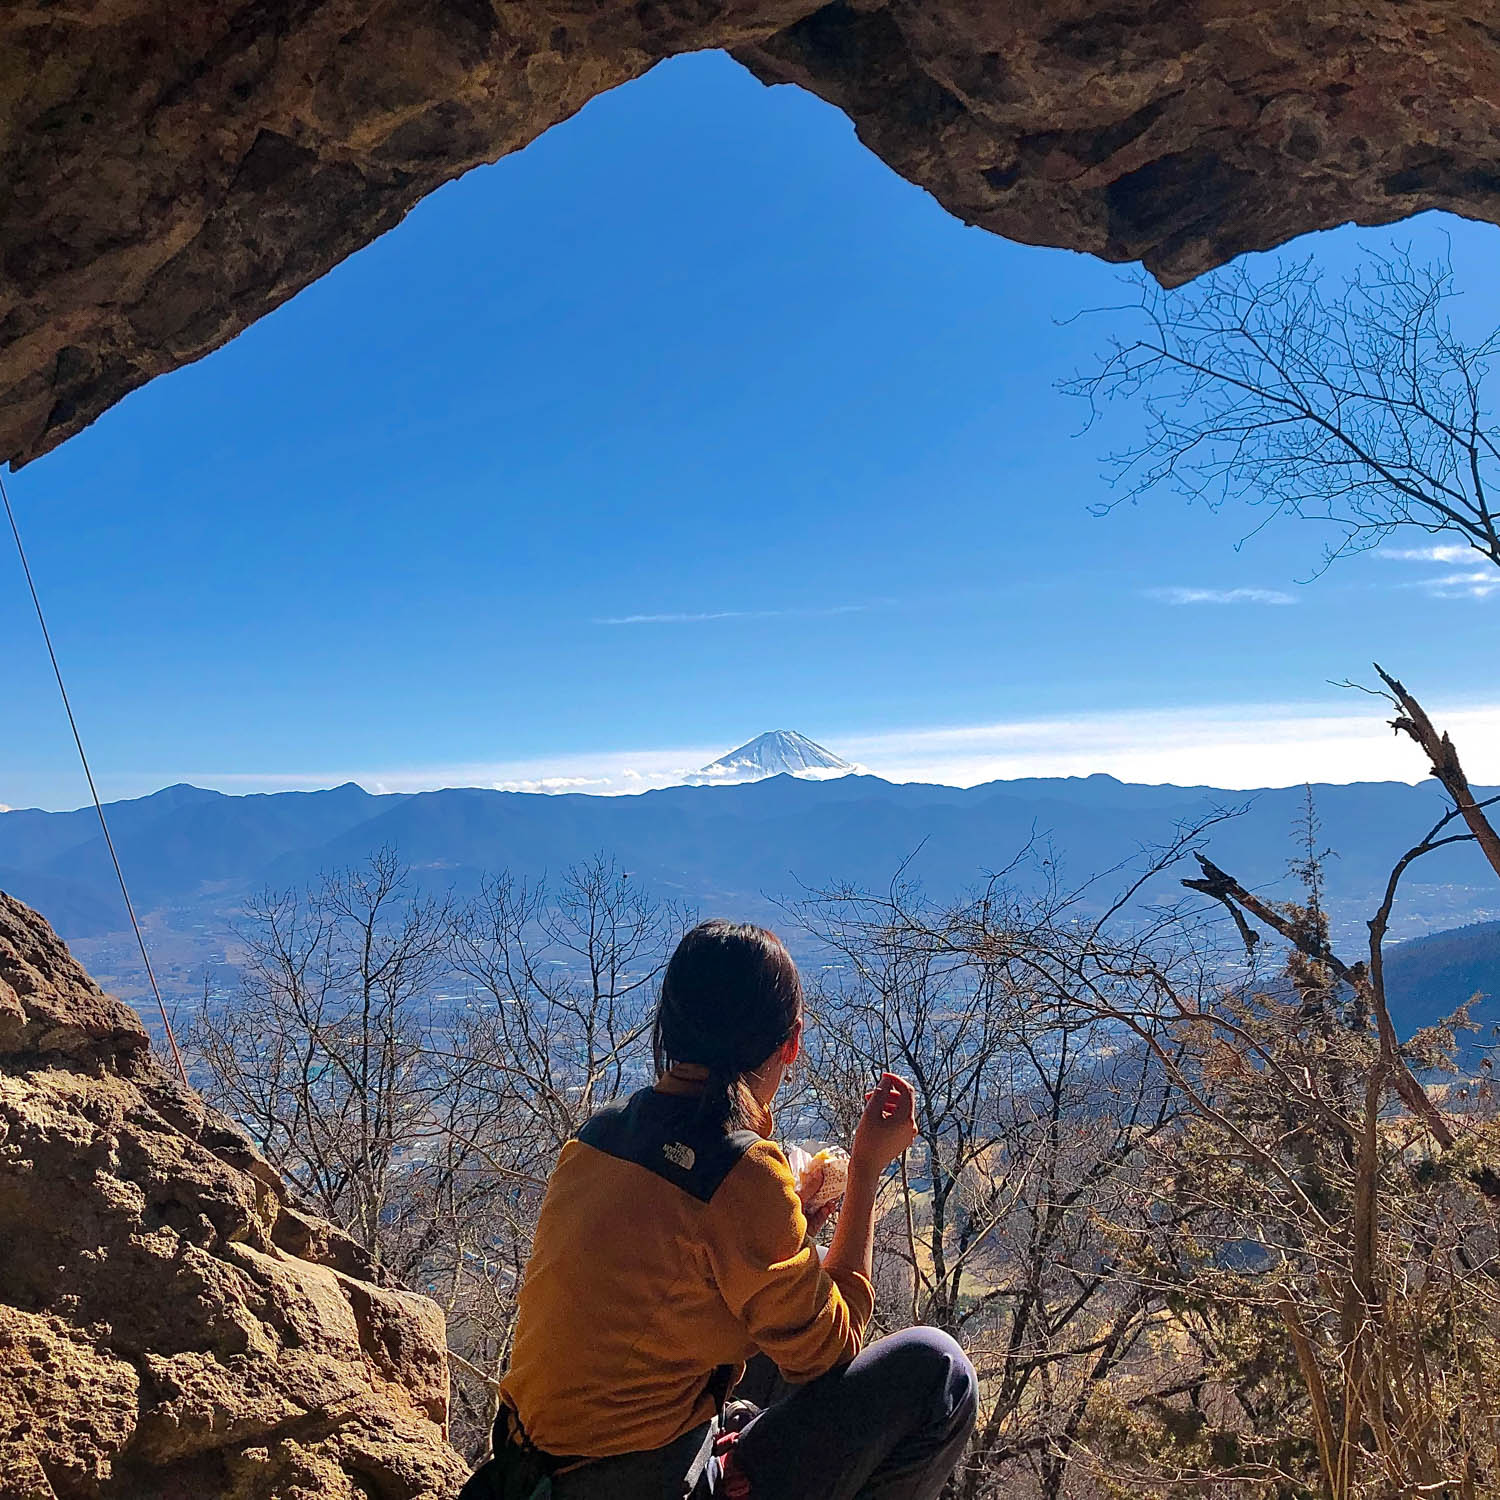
[[777, 753]]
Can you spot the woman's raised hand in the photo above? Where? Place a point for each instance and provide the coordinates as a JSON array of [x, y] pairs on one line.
[[887, 1127]]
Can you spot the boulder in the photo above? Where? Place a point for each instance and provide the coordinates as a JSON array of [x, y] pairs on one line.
[[171, 1324]]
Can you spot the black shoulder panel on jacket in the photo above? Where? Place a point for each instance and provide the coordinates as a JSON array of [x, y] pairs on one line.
[[660, 1132]]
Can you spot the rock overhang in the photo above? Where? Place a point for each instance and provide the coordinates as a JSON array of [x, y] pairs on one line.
[[169, 174]]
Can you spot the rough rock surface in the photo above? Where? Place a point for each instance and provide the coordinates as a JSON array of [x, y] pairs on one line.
[[170, 1325], [169, 172]]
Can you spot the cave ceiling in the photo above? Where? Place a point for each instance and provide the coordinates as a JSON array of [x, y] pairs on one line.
[[170, 172]]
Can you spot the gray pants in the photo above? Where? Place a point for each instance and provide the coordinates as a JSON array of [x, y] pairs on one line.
[[679, 1470], [890, 1426]]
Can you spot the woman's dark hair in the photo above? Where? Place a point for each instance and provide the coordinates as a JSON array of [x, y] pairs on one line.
[[730, 997]]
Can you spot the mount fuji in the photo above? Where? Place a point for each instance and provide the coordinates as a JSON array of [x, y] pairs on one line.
[[781, 752]]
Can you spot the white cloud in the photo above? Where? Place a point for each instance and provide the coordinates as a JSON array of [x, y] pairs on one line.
[[552, 784], [603, 772], [687, 619], [1479, 583], [1472, 582], [1443, 554], [707, 616], [1228, 745], [1220, 596], [740, 774]]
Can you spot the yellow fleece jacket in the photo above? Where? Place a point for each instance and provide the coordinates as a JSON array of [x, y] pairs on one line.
[[661, 1254]]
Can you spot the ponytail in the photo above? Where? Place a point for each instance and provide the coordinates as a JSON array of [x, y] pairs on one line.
[[727, 1103]]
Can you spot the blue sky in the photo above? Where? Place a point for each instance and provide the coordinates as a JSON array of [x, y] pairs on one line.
[[689, 421]]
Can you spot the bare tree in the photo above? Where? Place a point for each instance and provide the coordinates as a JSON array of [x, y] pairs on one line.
[[1204, 1227], [321, 1053], [1338, 1289], [562, 978], [1353, 1351], [1355, 404], [1035, 1116]]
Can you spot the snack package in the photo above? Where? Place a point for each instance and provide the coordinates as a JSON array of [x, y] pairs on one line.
[[833, 1165]]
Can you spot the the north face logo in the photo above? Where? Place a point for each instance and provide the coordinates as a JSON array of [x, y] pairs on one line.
[[679, 1155]]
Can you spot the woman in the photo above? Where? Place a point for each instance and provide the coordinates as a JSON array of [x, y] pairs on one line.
[[672, 1248]]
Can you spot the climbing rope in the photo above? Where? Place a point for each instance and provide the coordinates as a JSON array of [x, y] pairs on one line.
[[41, 620]]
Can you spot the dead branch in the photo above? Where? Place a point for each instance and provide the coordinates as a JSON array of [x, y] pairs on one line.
[[1442, 757], [1224, 888]]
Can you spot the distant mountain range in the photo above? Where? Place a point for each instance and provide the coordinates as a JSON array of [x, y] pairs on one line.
[[192, 856], [185, 847]]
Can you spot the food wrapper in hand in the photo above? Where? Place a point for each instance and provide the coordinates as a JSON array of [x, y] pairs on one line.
[[830, 1164]]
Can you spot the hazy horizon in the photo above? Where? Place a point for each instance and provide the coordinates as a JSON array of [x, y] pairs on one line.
[[1337, 749]]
